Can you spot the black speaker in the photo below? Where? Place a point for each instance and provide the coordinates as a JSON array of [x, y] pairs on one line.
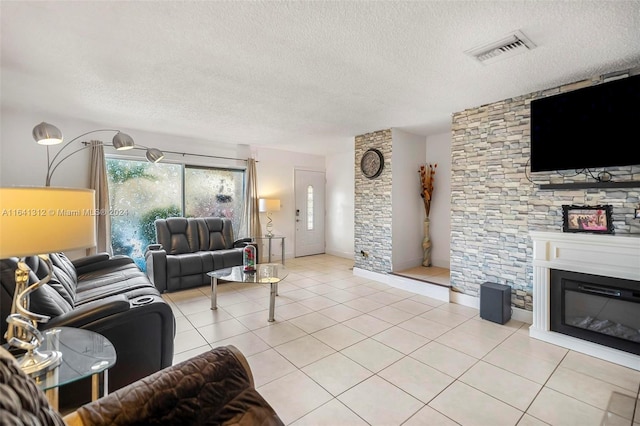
[[495, 302]]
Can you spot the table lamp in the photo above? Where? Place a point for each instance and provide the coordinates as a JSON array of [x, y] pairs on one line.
[[269, 205], [38, 221]]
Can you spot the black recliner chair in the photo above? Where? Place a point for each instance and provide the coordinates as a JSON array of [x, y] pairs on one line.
[[108, 295], [188, 247]]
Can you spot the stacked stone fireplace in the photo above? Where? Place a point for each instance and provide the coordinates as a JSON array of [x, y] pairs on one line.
[[610, 262]]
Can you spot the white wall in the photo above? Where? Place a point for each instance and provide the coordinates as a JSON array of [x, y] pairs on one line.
[[439, 151], [23, 161], [275, 170], [407, 208], [339, 226]]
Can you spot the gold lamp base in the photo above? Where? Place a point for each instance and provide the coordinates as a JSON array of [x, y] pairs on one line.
[[269, 225], [39, 361], [22, 332]]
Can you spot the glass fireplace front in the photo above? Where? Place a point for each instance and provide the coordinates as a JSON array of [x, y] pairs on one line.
[[599, 309]]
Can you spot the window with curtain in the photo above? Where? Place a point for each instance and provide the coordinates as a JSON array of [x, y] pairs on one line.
[[141, 192]]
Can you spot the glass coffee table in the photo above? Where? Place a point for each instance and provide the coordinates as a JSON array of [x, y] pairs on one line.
[[265, 273]]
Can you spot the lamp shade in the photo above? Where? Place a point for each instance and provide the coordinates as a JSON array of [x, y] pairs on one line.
[[42, 220], [268, 205], [122, 141], [154, 155], [47, 134]]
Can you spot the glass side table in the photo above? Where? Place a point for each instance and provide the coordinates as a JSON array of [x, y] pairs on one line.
[[84, 354], [270, 239]]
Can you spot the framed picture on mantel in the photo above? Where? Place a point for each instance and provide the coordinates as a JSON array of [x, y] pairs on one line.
[[592, 219]]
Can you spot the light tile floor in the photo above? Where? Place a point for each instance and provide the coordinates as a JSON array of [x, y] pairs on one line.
[[345, 350]]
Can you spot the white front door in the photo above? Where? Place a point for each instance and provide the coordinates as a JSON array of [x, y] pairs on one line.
[[309, 189]]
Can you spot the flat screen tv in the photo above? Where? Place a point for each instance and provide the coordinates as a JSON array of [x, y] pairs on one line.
[[593, 127]]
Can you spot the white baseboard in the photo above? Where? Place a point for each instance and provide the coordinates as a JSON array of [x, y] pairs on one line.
[[337, 253], [375, 276], [434, 291], [465, 300], [437, 292], [523, 315], [414, 286], [517, 314]]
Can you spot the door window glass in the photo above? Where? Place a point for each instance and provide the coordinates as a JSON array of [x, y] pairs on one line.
[[310, 208]]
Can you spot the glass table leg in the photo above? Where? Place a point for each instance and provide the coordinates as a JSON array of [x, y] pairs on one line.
[[95, 387], [96, 392], [214, 293], [52, 397], [272, 301]]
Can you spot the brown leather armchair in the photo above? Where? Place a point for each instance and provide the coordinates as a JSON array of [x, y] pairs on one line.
[[215, 387]]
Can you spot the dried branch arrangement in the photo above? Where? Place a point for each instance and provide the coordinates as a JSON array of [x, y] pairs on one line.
[[427, 175]]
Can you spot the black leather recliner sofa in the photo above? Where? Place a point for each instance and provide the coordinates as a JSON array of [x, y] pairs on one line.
[[108, 295], [188, 248]]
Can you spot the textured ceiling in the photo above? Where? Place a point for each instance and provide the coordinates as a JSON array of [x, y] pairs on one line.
[[301, 76]]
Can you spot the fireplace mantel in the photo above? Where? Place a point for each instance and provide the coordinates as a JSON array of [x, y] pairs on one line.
[[607, 255]]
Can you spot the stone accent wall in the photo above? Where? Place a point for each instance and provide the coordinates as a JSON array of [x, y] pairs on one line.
[[373, 207], [494, 204]]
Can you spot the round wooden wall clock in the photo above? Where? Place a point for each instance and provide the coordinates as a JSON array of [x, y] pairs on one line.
[[372, 163]]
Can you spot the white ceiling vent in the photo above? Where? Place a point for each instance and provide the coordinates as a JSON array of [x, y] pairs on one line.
[[508, 46]]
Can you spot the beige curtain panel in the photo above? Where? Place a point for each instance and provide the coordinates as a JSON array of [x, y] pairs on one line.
[[250, 213], [98, 182]]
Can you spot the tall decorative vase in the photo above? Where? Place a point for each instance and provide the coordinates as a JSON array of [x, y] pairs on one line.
[[426, 244]]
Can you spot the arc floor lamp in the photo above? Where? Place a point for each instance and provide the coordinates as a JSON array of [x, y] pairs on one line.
[[48, 134]]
